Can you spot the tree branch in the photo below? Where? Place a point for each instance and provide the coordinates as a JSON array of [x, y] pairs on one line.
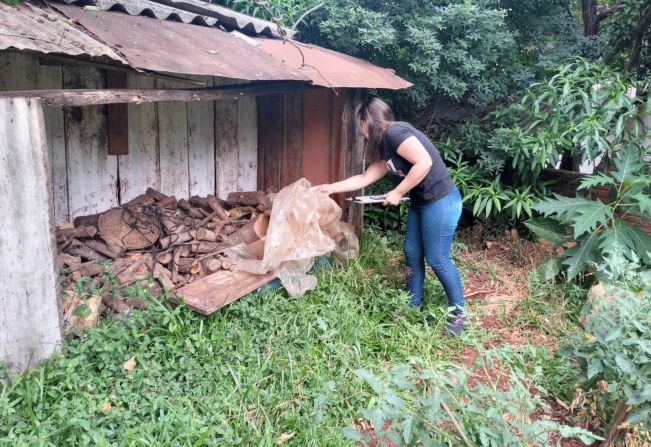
[[636, 34]]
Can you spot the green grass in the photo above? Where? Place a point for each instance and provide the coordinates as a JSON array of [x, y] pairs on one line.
[[265, 365]]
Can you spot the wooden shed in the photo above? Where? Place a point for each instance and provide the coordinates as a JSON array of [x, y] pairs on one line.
[[190, 98]]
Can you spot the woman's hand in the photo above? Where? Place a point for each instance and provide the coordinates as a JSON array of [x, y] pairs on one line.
[[325, 188], [392, 198]]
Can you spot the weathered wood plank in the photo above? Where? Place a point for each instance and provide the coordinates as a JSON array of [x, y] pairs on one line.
[[86, 97], [316, 136], [248, 145], [270, 140], [117, 117], [92, 173], [17, 71], [353, 145], [201, 143], [139, 169], [51, 77], [292, 148], [227, 156], [208, 294], [173, 140], [30, 324]]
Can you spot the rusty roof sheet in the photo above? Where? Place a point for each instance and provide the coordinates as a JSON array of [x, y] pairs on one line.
[[173, 47], [329, 68], [27, 27], [187, 11]]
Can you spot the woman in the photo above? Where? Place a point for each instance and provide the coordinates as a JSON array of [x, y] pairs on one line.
[[435, 200]]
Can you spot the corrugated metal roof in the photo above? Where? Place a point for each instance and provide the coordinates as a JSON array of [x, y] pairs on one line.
[[329, 68], [187, 11], [173, 47], [27, 27]]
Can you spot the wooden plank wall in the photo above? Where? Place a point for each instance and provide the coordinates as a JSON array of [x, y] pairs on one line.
[[178, 148]]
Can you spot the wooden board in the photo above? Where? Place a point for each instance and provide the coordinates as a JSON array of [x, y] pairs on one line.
[[139, 169], [317, 136], [292, 149], [92, 173], [117, 116], [247, 136], [17, 71], [201, 143], [173, 138], [270, 122], [214, 291], [227, 158], [51, 77]]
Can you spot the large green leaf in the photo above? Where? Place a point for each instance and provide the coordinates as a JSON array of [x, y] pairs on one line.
[[561, 206], [643, 203], [598, 179], [642, 242], [590, 215], [549, 269], [627, 164], [616, 241], [548, 229], [579, 255]]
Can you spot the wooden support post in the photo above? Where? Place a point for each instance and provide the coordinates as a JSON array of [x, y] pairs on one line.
[[353, 146], [30, 321]]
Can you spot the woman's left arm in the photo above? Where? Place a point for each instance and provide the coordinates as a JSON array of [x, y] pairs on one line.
[[415, 153]]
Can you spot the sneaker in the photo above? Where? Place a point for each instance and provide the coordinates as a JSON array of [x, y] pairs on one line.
[[454, 326]]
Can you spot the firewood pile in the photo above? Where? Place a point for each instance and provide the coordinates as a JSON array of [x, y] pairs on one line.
[[154, 235]]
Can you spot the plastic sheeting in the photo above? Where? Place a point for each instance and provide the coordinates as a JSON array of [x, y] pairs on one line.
[[304, 224]]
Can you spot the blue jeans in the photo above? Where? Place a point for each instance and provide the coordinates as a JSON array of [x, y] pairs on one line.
[[430, 229]]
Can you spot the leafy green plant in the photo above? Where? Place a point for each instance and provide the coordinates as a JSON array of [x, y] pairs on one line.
[[598, 228], [616, 352], [436, 406]]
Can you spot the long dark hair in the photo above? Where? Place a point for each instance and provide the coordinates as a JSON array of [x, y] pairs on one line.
[[378, 115]]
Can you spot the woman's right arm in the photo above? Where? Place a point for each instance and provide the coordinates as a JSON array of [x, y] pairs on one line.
[[374, 172]]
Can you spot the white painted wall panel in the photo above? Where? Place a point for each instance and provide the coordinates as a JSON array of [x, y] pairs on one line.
[[247, 136], [140, 169], [201, 146], [173, 141]]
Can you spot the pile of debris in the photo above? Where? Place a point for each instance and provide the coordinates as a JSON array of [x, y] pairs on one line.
[[154, 235]]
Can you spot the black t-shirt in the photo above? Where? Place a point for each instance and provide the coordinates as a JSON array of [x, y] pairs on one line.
[[436, 184]]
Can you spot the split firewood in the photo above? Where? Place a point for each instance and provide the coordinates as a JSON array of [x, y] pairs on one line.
[[200, 202], [207, 219], [204, 212], [171, 225], [164, 277], [192, 211], [106, 249], [81, 250], [117, 304], [164, 258], [248, 233], [175, 239], [206, 235], [247, 198], [169, 203], [87, 221], [137, 271], [217, 207], [265, 203], [227, 264], [206, 247], [90, 268], [228, 229], [156, 195], [212, 265], [77, 232], [237, 213], [142, 200], [72, 263], [136, 302], [185, 264]]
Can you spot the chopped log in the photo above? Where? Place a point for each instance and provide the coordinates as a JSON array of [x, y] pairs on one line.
[[242, 211], [106, 249], [118, 305], [169, 203], [91, 268], [217, 207], [206, 235], [156, 195], [84, 252], [142, 200], [175, 239], [205, 247], [227, 264], [171, 225], [212, 265], [246, 234], [124, 228], [138, 303], [265, 203], [87, 221], [164, 258], [86, 231], [136, 271], [69, 261], [229, 229], [200, 202], [192, 211], [248, 198], [208, 219], [164, 277], [185, 264]]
